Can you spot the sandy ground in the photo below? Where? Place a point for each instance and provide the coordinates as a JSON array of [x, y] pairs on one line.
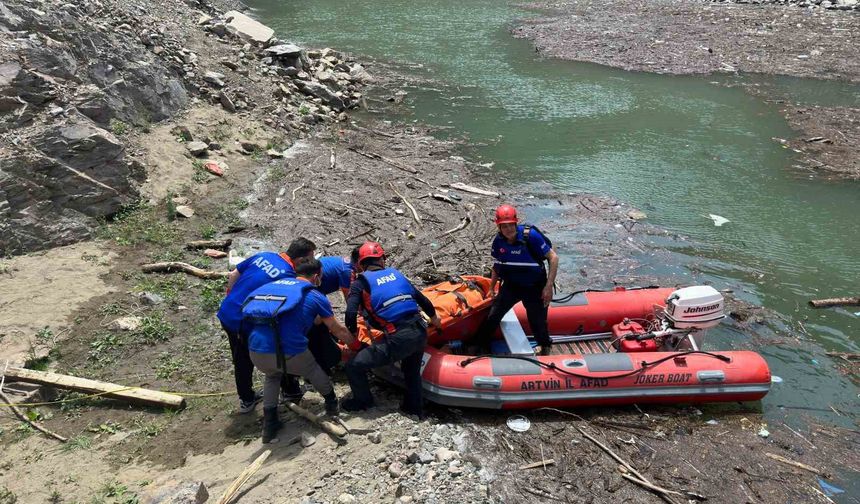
[[41, 290], [693, 37]]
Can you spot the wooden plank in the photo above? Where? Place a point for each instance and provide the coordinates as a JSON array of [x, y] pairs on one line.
[[133, 395]]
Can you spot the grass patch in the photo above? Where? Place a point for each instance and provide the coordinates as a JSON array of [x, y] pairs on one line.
[[76, 443], [136, 224], [168, 365], [170, 254], [118, 127], [114, 492], [211, 294], [201, 175], [43, 341], [208, 232], [102, 349], [153, 329], [277, 173], [168, 287], [110, 309]]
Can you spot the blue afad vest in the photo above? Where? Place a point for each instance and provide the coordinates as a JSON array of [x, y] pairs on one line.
[[266, 305], [256, 271], [390, 299], [515, 262]]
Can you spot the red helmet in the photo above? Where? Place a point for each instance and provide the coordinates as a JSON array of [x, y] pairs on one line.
[[368, 250], [506, 214]]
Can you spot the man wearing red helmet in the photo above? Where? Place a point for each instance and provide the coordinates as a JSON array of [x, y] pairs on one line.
[[519, 253], [389, 302]]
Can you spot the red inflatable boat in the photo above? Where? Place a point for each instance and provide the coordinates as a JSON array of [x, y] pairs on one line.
[[623, 346]]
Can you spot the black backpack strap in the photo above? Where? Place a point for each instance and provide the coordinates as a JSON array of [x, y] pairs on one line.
[[536, 257]]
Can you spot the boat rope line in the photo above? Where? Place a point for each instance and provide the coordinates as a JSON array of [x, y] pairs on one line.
[[568, 297], [645, 365]]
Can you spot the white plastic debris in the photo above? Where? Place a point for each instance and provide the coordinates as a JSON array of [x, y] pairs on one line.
[[712, 422], [763, 433], [519, 423], [718, 219], [775, 379]]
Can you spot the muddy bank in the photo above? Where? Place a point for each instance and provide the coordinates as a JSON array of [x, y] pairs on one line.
[[693, 37]]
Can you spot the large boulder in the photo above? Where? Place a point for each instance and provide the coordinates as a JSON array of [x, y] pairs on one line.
[[248, 28], [322, 92], [58, 181]]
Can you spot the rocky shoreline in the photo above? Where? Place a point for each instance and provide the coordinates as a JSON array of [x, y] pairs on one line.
[[807, 39], [79, 83]]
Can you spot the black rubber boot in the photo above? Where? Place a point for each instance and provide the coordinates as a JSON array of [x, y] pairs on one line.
[[331, 407], [271, 424], [353, 404]]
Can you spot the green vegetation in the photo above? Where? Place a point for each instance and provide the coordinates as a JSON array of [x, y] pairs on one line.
[[118, 127], [138, 223], [168, 287], [201, 175], [168, 365], [101, 347], [7, 496], [153, 328], [211, 294], [148, 428], [304, 110], [43, 341], [208, 232], [114, 492], [80, 442], [171, 206], [168, 255]]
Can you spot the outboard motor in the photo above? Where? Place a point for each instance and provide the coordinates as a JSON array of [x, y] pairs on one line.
[[682, 325], [690, 312]]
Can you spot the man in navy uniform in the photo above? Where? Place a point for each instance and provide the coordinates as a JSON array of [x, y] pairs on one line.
[[278, 317], [519, 252], [253, 272], [388, 302]]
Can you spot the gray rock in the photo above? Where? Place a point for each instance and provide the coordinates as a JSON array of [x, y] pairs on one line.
[[150, 298], [375, 437], [247, 28], [308, 440], [283, 50], [214, 78], [226, 102], [358, 73], [395, 469], [58, 181], [322, 92], [197, 148], [185, 211], [129, 323], [178, 493]]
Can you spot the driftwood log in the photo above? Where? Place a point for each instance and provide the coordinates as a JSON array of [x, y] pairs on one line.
[[133, 395], [474, 190], [181, 267], [406, 202], [204, 244], [243, 478], [338, 432], [843, 301], [798, 465]]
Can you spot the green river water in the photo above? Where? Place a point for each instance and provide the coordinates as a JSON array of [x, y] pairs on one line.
[[679, 148]]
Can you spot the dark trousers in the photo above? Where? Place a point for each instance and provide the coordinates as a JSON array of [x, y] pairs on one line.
[[243, 368], [509, 295], [325, 351], [406, 345]]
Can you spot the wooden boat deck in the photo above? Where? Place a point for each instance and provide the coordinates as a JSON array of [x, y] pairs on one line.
[[594, 346]]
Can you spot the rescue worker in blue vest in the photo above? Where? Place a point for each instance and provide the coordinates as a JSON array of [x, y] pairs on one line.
[[337, 274], [278, 317], [253, 272], [390, 303], [519, 253]]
